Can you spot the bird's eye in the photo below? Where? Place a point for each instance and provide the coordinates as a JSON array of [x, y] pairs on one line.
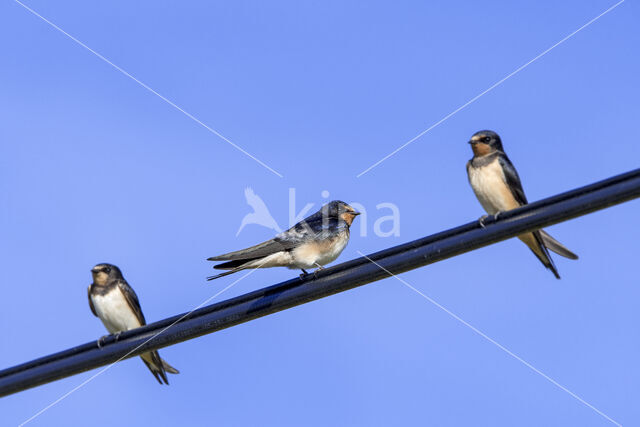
[[487, 139], [107, 270]]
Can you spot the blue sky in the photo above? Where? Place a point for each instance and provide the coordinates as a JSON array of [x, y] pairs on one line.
[[94, 168]]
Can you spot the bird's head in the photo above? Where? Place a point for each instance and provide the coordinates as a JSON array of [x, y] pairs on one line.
[[105, 273], [340, 210], [485, 142]]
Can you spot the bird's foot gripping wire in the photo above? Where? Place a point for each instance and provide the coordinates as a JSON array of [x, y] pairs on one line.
[[317, 270], [483, 218], [305, 273], [100, 341]]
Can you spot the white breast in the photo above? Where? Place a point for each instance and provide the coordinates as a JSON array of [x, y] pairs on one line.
[[114, 311], [490, 186], [312, 254]]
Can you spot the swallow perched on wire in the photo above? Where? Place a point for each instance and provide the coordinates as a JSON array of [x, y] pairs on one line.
[[313, 242], [498, 188], [113, 301]]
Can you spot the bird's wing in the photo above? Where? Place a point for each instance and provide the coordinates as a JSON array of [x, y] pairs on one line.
[[260, 250], [316, 227], [309, 228], [512, 179], [93, 309], [132, 300]]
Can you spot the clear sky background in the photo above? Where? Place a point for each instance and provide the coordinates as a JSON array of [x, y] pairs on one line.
[[94, 168]]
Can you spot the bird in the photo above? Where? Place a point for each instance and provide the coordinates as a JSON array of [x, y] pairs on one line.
[[114, 302], [313, 242], [497, 186], [260, 214]]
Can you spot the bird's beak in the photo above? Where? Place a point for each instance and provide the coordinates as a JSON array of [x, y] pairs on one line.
[[94, 271], [355, 213], [472, 141]]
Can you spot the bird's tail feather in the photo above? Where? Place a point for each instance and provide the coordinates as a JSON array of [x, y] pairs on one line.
[[547, 261], [155, 365], [555, 246], [235, 266], [226, 273], [534, 242], [168, 368]]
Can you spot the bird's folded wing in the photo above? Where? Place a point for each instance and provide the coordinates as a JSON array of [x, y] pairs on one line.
[[260, 250], [512, 179], [93, 309], [287, 240], [132, 300]]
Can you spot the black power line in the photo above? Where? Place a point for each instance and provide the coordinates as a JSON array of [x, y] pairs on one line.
[[340, 278]]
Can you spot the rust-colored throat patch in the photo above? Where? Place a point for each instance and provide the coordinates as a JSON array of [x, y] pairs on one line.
[[481, 149]]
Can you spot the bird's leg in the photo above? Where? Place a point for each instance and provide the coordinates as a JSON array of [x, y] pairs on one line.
[[497, 215], [117, 336], [482, 219], [304, 273], [100, 341], [315, 273]]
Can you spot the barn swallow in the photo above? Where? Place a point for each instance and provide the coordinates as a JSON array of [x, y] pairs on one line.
[[313, 242], [116, 304], [498, 188]]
